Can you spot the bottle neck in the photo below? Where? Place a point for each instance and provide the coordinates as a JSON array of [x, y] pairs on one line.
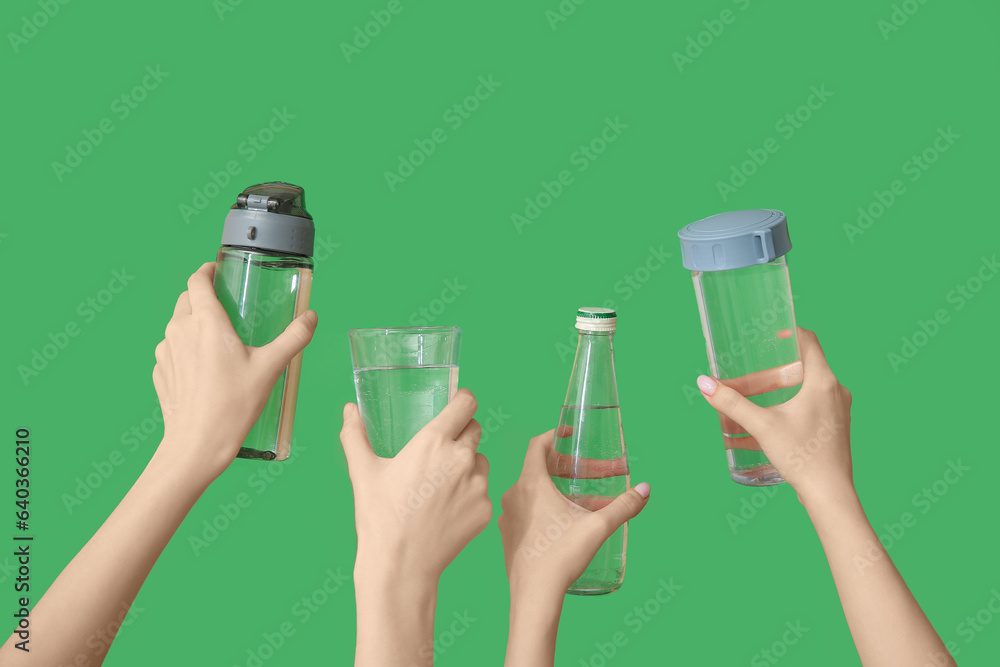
[[592, 382]]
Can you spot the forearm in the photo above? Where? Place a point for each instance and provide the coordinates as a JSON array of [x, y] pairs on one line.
[[395, 616], [534, 623], [81, 612], [887, 624]]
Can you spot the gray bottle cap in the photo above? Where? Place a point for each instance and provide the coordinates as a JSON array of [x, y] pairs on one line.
[[734, 240], [271, 217]]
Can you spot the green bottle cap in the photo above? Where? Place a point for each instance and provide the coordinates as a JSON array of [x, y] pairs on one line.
[[596, 319]]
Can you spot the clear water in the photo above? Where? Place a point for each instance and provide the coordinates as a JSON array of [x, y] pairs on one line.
[[749, 324], [589, 458], [397, 401], [262, 294]]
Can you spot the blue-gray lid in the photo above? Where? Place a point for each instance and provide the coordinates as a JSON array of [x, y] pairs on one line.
[[734, 240], [271, 217]]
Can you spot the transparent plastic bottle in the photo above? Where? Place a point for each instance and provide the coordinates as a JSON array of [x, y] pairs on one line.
[[263, 278], [588, 462], [737, 262]]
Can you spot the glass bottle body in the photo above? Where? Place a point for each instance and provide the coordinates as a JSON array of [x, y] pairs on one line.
[[588, 461]]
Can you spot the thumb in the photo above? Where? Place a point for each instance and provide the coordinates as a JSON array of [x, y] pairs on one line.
[[354, 437], [624, 507], [291, 341], [732, 404]]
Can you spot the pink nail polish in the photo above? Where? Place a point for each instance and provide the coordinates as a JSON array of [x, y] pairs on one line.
[[707, 385], [642, 489]]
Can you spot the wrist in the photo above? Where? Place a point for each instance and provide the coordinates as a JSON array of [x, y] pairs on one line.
[[818, 497], [837, 501], [534, 624], [185, 471], [198, 461]]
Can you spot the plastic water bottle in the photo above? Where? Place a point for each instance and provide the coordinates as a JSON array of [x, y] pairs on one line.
[[737, 261], [263, 277], [588, 462]]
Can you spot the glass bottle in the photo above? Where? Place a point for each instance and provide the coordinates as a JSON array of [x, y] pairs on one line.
[[588, 462]]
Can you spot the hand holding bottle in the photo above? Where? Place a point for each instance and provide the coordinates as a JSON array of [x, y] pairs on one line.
[[211, 388], [808, 438], [808, 441], [210, 385], [548, 541], [414, 513]]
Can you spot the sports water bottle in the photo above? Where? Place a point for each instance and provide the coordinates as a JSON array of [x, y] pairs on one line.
[[263, 276], [737, 261], [588, 462]]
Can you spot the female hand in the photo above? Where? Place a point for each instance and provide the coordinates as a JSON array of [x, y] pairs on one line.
[[808, 438], [211, 386], [548, 541], [419, 510]]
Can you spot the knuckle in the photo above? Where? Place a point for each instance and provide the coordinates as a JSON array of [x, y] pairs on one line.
[[808, 333], [465, 458], [485, 513], [727, 400], [631, 502], [466, 399]]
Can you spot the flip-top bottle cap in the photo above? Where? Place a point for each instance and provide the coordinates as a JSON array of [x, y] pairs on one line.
[[734, 240], [271, 217], [596, 319]]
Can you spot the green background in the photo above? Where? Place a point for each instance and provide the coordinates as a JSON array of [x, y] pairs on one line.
[[389, 253]]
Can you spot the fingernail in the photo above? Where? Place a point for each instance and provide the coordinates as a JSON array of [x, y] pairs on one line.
[[642, 489], [707, 385]]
